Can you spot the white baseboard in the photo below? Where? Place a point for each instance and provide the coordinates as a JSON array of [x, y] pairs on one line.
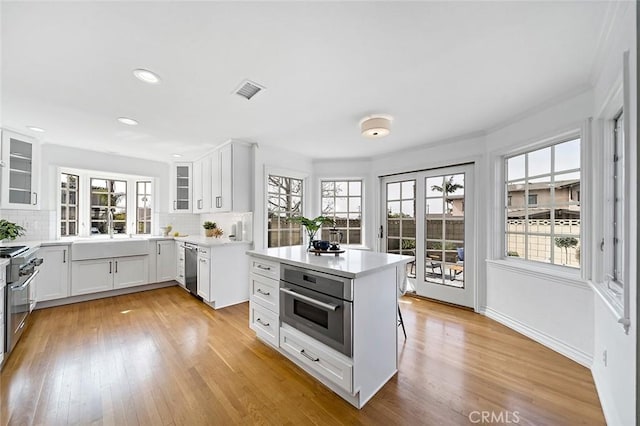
[[551, 342]]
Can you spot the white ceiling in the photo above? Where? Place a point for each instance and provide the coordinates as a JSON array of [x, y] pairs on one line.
[[440, 69]]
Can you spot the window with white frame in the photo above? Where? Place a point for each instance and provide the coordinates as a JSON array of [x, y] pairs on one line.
[[143, 207], [341, 200], [68, 204], [284, 200], [108, 195], [616, 278], [545, 228], [86, 197]]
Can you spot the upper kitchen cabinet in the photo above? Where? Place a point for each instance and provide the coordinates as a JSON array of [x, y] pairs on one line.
[[232, 175], [202, 195], [181, 188], [20, 172]]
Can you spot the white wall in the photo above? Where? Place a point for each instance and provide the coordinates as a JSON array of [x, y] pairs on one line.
[[616, 379]]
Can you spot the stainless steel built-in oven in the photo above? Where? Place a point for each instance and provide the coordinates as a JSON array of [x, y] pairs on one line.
[[319, 305]]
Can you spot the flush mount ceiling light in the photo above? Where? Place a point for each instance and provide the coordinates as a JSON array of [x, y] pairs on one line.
[[375, 126], [146, 76], [176, 155], [128, 121], [36, 129]]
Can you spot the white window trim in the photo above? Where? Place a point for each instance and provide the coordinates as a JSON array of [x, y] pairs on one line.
[[500, 157], [363, 235], [579, 133], [304, 177], [84, 200]]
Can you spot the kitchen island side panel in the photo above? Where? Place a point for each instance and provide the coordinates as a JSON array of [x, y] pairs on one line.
[[374, 332]]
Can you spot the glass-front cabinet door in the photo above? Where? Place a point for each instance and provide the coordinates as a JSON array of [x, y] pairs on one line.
[[20, 167], [182, 188]]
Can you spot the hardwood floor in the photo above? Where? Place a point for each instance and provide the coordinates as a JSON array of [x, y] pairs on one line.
[[162, 358]]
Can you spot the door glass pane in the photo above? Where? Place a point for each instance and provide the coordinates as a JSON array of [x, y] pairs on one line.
[[401, 222], [444, 230]]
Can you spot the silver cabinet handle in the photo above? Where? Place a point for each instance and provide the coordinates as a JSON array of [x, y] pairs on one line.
[[219, 202], [203, 261], [36, 202], [159, 248], [200, 204], [64, 256], [266, 293], [319, 304], [302, 352], [175, 205], [109, 266], [264, 268], [116, 266], [26, 282], [259, 321]]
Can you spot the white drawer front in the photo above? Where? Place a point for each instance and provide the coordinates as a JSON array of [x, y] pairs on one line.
[[265, 268], [265, 292], [317, 358], [265, 323]]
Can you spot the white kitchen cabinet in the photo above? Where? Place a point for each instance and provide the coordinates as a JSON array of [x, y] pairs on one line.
[[181, 187], [180, 264], [202, 195], [204, 274], [3, 283], [20, 172], [95, 275], [165, 260], [232, 176], [53, 279], [130, 271]]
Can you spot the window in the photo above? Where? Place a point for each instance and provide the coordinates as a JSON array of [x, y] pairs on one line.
[[616, 280], [341, 200], [68, 204], [284, 200], [108, 195], [143, 207], [546, 228]]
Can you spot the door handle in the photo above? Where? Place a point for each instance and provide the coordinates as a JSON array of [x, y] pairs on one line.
[[319, 304], [381, 233]]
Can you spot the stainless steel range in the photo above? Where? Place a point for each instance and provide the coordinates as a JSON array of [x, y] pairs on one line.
[[21, 271]]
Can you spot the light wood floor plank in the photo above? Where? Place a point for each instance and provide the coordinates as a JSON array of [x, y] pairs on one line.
[[162, 358]]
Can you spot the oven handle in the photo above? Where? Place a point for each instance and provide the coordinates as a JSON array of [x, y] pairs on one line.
[[323, 305], [26, 283]]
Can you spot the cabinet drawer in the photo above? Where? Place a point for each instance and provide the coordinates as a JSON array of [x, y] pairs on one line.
[[333, 366], [265, 268], [265, 323], [264, 291]]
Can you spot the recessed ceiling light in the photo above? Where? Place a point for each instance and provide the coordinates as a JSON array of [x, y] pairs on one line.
[[128, 121], [176, 155], [36, 129], [146, 76]]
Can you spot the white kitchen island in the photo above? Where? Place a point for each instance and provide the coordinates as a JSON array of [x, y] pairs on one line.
[[371, 280]]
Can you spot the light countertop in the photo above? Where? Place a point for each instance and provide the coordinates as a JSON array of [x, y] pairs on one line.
[[196, 239], [209, 241], [350, 264]]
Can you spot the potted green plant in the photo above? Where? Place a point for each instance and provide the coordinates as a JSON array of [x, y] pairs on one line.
[[10, 231], [209, 228], [311, 225]]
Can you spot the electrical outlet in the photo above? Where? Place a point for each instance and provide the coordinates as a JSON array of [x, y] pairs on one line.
[[604, 357]]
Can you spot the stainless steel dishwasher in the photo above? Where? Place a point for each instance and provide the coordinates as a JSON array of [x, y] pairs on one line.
[[191, 268]]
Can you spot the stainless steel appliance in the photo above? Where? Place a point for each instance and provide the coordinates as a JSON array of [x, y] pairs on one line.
[[319, 305], [191, 268], [21, 271]]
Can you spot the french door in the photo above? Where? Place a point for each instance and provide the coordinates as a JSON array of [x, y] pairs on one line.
[[430, 215]]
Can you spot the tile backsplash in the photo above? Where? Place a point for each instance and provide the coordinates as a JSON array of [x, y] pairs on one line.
[[39, 224]]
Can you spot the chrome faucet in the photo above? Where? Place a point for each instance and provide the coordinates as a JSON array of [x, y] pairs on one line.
[[110, 222]]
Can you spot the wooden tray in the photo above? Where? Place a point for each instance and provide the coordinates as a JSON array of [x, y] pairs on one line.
[[319, 252]]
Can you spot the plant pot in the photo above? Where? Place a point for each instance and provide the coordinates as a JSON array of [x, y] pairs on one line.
[[208, 232]]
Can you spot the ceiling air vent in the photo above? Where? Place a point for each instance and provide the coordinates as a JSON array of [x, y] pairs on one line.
[[248, 89]]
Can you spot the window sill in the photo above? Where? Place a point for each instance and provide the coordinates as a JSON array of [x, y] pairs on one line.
[[554, 273], [611, 302]]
